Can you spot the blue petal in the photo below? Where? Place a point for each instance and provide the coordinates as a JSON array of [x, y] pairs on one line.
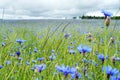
[[118, 77], [118, 59], [1, 67], [79, 48], [101, 56], [114, 71], [76, 74], [87, 49], [108, 69], [113, 78], [73, 70], [8, 62], [106, 13]]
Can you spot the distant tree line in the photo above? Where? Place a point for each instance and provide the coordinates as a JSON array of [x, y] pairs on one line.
[[95, 17]]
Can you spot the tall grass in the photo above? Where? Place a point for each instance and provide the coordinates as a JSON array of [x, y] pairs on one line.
[[50, 40]]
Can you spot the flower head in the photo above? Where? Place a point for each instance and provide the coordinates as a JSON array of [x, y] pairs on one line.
[[52, 57], [18, 53], [117, 58], [71, 51], [67, 35], [40, 68], [84, 49], [109, 71], [118, 77], [76, 75], [40, 59], [12, 54], [3, 44], [115, 77], [101, 57], [53, 51], [8, 62], [1, 67], [69, 70], [64, 69], [35, 50], [106, 13], [20, 41]]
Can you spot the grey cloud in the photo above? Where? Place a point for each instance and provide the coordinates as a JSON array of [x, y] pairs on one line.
[[56, 8]]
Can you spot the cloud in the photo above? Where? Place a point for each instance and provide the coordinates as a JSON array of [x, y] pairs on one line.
[[55, 8]]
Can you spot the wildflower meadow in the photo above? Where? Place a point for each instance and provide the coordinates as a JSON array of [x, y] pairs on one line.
[[59, 52]]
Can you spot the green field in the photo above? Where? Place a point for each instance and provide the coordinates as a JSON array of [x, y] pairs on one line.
[[52, 43]]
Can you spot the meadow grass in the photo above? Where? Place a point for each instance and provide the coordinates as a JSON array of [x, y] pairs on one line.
[[51, 40]]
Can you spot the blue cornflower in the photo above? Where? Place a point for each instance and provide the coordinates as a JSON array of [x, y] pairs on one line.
[[115, 77], [68, 70], [118, 76], [71, 51], [20, 41], [73, 71], [3, 44], [106, 13], [102, 58], [40, 59], [109, 71], [8, 62], [64, 69], [52, 57], [53, 51], [67, 35], [117, 58], [40, 68], [1, 67], [12, 54], [18, 53], [84, 49], [35, 50], [76, 75]]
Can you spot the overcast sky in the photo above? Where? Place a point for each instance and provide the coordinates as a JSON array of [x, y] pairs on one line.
[[46, 9]]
